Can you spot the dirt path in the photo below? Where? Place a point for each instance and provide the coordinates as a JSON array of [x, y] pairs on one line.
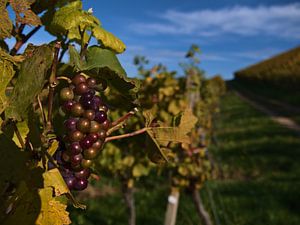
[[282, 120]]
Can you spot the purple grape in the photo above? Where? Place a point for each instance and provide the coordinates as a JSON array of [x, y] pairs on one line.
[[70, 124], [75, 148], [86, 142], [80, 184], [65, 172], [89, 95], [70, 181], [100, 116], [93, 137], [83, 174], [76, 159], [97, 101], [86, 103], [67, 106]]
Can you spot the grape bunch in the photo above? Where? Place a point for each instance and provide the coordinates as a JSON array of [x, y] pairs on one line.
[[86, 125]]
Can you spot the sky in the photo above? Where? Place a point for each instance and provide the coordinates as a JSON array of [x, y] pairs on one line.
[[231, 34]]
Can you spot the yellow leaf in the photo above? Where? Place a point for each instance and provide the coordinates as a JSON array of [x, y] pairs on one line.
[[53, 178], [52, 212], [108, 39]]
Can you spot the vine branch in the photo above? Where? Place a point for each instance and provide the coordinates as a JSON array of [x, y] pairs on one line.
[[52, 84], [126, 135], [120, 122], [23, 39]]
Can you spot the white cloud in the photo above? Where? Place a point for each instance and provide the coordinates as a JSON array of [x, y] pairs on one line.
[[277, 20]]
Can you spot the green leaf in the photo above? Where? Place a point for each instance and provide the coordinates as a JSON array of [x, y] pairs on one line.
[[6, 25], [31, 80], [23, 12], [75, 58], [6, 74], [103, 63], [108, 39], [71, 20]]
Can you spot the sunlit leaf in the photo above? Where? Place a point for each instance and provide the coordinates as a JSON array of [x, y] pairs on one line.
[[108, 39], [23, 12], [6, 74], [52, 211], [6, 25]]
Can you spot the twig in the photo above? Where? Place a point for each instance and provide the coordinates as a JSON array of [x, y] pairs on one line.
[[64, 78], [126, 135], [120, 122], [16, 130], [84, 45], [42, 110], [52, 84], [64, 50], [23, 40]]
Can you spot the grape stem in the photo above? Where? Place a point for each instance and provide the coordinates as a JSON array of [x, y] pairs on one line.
[[119, 123], [42, 111], [52, 84], [64, 78], [126, 135]]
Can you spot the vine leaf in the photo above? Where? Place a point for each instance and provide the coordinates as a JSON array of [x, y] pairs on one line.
[[30, 81], [6, 25], [6, 74], [23, 12], [159, 137], [52, 211], [187, 121], [103, 63], [70, 20], [53, 178], [108, 39], [76, 24]]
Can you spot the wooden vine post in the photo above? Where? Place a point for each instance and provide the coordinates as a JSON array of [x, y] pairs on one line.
[[173, 201]]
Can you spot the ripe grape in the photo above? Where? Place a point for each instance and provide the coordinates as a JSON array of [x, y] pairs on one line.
[[81, 88], [70, 124], [86, 124], [78, 79], [80, 184], [83, 125], [66, 94], [100, 116]]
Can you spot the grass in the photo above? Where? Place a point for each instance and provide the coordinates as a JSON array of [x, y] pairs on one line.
[[288, 95], [260, 162], [268, 96], [259, 183]]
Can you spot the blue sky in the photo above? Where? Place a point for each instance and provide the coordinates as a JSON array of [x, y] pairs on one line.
[[231, 34]]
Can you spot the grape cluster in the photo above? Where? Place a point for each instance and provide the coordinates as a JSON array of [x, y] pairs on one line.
[[86, 126]]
